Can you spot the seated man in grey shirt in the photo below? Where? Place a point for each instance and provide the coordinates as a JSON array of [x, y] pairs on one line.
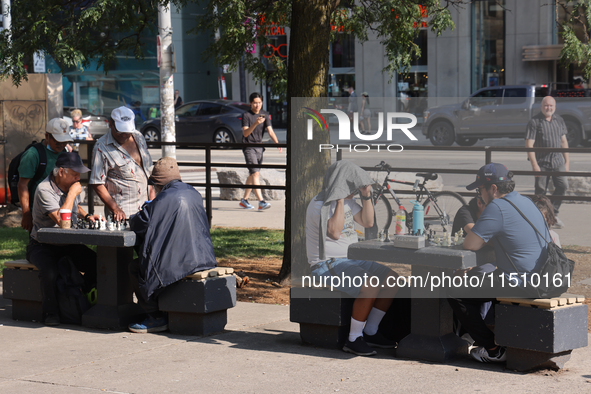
[[60, 190]]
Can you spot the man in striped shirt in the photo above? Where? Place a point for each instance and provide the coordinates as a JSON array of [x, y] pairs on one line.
[[547, 130]]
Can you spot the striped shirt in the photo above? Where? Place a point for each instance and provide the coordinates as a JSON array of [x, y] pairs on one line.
[[125, 180], [547, 135]]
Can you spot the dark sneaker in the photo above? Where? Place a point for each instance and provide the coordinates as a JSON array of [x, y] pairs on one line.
[[245, 204], [52, 320], [150, 324], [379, 341], [481, 354], [359, 347]]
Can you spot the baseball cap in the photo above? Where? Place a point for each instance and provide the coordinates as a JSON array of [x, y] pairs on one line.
[[71, 160], [489, 174], [59, 129], [124, 119], [165, 170]]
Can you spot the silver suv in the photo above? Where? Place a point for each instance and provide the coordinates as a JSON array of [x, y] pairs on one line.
[[504, 111]]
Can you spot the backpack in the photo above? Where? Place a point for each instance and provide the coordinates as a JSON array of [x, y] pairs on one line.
[[13, 175], [72, 301]]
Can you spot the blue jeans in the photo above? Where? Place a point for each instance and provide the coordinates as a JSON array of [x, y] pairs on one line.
[[353, 269]]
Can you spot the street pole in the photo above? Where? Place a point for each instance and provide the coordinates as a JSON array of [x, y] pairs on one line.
[[167, 116]]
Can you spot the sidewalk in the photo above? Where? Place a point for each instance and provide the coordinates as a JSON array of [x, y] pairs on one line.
[[229, 214], [260, 352]]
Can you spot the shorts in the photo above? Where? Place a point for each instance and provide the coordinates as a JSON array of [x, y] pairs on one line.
[[253, 156], [353, 269]]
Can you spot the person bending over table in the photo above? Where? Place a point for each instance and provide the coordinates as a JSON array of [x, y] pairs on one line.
[[467, 215], [173, 232], [60, 190], [332, 213], [501, 224], [121, 166]]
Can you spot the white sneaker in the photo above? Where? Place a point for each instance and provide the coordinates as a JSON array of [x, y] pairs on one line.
[[559, 223], [481, 354]]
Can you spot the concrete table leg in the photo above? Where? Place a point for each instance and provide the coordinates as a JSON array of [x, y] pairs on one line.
[[115, 308], [432, 337]]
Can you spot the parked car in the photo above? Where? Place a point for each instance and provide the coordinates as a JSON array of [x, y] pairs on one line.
[[504, 111], [98, 125], [217, 121]]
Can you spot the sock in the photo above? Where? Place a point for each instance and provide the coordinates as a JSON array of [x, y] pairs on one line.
[[494, 353], [373, 321], [356, 329]]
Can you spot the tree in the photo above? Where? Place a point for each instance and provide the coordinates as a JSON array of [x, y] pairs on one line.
[[243, 23], [575, 33], [73, 32]]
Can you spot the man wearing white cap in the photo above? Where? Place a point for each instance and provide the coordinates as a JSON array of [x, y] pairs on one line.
[[56, 139], [121, 166]]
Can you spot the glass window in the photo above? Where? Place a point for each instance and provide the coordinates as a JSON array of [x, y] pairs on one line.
[[209, 109], [514, 96], [488, 43], [343, 51], [486, 97], [187, 110]]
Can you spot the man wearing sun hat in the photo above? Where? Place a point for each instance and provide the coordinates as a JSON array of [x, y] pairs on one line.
[[60, 190], [174, 238], [121, 166], [517, 247], [55, 142]]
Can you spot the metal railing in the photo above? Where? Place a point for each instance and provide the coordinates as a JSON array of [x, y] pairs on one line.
[[208, 184], [488, 153]]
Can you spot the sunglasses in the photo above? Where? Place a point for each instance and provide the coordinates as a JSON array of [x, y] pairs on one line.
[[77, 121]]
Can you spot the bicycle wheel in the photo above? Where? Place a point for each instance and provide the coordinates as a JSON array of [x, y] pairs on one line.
[[383, 211], [449, 203]]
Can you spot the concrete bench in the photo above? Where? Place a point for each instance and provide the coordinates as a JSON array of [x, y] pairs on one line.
[[540, 333], [198, 304], [324, 316], [21, 285]]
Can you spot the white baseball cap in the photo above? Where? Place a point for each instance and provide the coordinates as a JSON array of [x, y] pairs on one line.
[[59, 129], [124, 119]]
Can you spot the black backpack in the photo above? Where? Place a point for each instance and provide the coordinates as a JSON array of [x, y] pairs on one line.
[[72, 301], [13, 175]]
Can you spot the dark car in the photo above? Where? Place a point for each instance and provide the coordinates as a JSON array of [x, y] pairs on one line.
[[217, 121]]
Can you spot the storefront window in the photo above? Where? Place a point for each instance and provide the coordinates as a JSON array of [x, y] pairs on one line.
[[412, 89], [342, 51], [488, 43]]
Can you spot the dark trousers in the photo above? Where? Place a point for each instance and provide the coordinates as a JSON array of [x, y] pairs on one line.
[[468, 312], [46, 256], [560, 185], [150, 305]]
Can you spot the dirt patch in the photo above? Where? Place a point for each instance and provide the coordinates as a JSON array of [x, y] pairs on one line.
[[10, 216], [262, 274]]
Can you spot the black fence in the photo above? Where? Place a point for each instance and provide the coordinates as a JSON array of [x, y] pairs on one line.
[[208, 184]]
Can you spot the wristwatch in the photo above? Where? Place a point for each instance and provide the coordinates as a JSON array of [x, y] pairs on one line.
[[365, 198], [87, 216]]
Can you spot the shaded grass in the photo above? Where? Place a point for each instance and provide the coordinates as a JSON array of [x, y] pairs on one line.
[[227, 242], [13, 244], [237, 242]]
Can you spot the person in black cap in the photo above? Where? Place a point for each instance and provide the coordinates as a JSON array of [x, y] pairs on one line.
[[173, 233], [509, 232], [60, 190]]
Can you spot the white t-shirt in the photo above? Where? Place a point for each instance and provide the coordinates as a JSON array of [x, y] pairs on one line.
[[332, 248]]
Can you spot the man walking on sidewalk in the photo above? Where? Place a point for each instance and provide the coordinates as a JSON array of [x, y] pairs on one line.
[[548, 130], [254, 124]]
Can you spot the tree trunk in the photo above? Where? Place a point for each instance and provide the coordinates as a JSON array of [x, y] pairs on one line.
[[307, 78]]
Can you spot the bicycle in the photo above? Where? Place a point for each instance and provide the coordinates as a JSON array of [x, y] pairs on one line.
[[440, 207]]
